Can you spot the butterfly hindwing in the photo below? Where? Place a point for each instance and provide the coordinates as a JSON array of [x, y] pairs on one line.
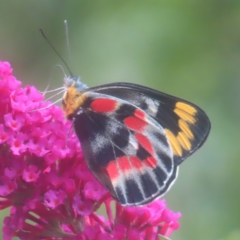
[[126, 149], [133, 138]]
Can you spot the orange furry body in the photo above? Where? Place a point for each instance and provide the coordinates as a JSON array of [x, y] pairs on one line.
[[72, 101]]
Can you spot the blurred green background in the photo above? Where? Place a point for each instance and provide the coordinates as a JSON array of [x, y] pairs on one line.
[[190, 49]]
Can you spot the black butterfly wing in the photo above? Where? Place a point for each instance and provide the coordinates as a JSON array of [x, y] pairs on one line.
[[137, 164], [125, 148], [186, 125]]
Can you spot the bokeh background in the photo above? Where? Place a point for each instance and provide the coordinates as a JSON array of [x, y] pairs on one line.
[[190, 49]]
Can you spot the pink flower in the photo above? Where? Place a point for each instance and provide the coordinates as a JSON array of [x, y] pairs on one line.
[[45, 180], [3, 134], [53, 199]]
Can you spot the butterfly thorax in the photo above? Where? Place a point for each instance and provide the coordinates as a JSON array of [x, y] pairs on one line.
[[73, 98]]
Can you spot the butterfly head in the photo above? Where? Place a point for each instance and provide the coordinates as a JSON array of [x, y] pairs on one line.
[[73, 97]]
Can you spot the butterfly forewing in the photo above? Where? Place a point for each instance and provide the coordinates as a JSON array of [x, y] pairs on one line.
[[126, 149], [186, 125], [133, 138]]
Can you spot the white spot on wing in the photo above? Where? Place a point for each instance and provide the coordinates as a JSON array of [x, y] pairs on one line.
[[152, 105], [99, 143]]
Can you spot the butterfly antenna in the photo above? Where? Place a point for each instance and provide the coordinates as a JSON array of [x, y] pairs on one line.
[[56, 51], [67, 40]]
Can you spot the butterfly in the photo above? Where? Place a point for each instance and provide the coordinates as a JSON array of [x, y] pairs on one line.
[[133, 138]]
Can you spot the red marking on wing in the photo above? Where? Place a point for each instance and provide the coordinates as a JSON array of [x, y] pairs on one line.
[[112, 170], [144, 141], [134, 123], [103, 105], [150, 162], [140, 114], [136, 163], [125, 164]]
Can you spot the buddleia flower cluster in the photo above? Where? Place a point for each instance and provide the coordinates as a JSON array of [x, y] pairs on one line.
[[46, 184]]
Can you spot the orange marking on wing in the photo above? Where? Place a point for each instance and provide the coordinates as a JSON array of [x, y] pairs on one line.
[[103, 105], [185, 128], [176, 147], [184, 115], [187, 108], [184, 141], [134, 123], [144, 141]]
